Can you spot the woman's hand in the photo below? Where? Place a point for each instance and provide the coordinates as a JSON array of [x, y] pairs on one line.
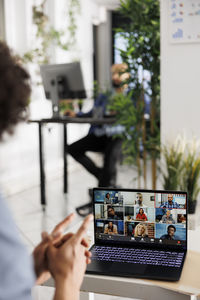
[[57, 239], [67, 262], [39, 253]]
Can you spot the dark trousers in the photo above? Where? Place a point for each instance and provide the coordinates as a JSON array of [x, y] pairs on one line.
[[111, 148]]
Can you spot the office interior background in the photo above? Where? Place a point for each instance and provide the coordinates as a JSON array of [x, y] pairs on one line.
[[179, 104], [93, 47]]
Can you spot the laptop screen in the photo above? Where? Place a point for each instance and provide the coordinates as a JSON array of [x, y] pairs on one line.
[[133, 216]]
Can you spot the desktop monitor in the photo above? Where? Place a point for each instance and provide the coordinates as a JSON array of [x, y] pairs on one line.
[[62, 81]]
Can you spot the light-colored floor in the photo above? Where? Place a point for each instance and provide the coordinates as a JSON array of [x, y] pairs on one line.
[[31, 221]]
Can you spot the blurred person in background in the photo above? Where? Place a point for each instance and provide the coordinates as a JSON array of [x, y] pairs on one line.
[[100, 137]]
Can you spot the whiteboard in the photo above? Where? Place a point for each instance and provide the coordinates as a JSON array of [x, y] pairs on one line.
[[184, 21]]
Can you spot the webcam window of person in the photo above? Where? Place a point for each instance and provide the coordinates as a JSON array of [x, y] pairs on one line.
[[170, 235], [129, 213], [107, 199], [139, 201], [110, 228], [167, 218], [181, 218], [141, 216], [113, 214], [170, 203], [141, 230]]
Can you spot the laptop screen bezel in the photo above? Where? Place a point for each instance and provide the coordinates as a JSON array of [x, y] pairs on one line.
[[137, 244]]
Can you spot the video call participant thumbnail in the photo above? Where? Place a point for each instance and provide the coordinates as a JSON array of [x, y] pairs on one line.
[[171, 229], [181, 218], [167, 218], [136, 229], [113, 198], [141, 216], [104, 197], [107, 199], [141, 230], [129, 213], [139, 201], [113, 215], [110, 228], [170, 203]]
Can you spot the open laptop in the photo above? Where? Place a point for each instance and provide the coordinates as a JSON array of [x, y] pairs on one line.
[[139, 233]]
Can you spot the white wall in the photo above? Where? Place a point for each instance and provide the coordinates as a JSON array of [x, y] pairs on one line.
[[180, 81]]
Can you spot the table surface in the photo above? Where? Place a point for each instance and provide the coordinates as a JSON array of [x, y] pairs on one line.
[[65, 120], [188, 285]]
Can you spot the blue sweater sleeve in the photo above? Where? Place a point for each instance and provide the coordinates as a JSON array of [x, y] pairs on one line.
[[16, 268]]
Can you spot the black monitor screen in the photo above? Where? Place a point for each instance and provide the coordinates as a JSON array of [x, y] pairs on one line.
[[155, 217]]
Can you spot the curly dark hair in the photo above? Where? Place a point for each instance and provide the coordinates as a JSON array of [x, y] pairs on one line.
[[14, 90]]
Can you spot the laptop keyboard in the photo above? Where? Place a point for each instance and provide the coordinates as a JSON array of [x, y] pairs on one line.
[[138, 256]]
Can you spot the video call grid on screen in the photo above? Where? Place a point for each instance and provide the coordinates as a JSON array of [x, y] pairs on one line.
[[150, 217]]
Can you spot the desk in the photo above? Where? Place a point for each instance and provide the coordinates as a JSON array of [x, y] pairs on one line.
[[187, 288], [64, 121]]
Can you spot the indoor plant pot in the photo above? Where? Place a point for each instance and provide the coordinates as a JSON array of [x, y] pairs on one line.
[[192, 206]]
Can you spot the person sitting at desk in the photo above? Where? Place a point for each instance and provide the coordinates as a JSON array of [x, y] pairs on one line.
[[100, 138]]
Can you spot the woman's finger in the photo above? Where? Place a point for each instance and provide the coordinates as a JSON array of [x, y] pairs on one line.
[[65, 238], [88, 261], [83, 229], [85, 243], [88, 253], [60, 227]]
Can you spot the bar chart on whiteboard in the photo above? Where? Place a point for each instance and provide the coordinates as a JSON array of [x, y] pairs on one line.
[[184, 21]]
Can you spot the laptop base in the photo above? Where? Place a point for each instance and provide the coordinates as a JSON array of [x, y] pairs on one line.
[[135, 271]]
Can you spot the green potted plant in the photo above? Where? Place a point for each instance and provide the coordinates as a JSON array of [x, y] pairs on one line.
[[173, 159], [182, 169], [191, 176]]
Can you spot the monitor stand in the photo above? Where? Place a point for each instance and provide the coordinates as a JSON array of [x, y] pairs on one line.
[[55, 111]]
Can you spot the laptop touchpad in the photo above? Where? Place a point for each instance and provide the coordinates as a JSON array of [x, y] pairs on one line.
[[99, 266], [128, 268]]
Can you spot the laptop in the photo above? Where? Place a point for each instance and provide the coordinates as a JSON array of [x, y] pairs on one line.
[[139, 233]]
